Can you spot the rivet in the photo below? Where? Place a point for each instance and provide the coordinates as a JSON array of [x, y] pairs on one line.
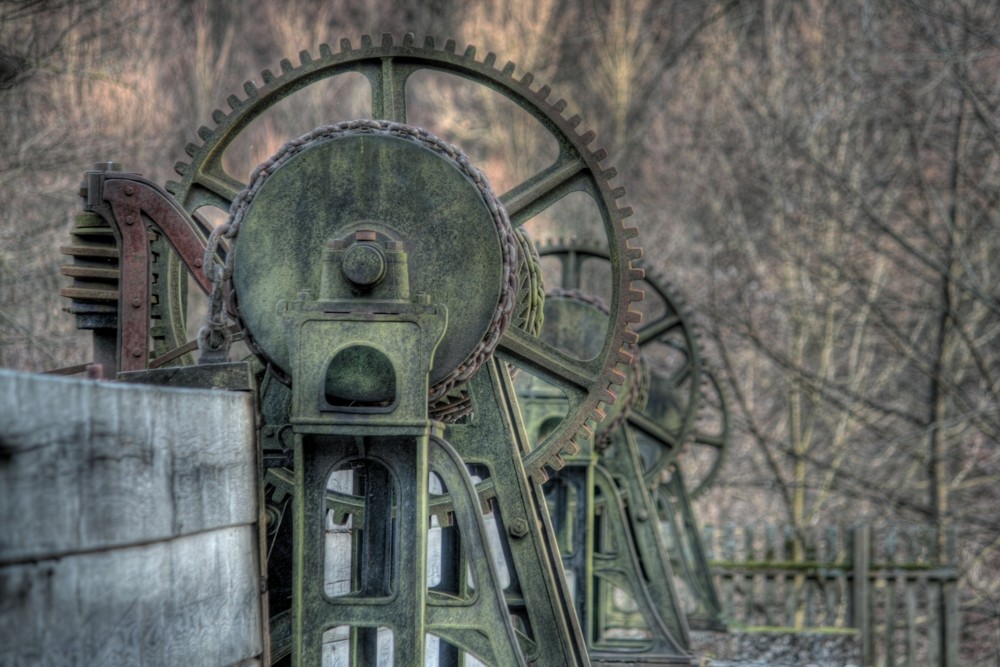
[[198, 263], [129, 219], [136, 302], [129, 190], [136, 352]]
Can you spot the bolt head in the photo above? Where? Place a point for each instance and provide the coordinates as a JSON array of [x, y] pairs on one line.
[[518, 528], [364, 264]]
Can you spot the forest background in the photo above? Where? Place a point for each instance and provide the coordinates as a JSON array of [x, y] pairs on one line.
[[819, 179]]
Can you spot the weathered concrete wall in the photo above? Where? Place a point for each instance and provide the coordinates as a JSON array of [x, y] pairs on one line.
[[129, 525]]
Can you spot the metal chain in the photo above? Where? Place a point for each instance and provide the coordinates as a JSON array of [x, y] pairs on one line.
[[214, 337]]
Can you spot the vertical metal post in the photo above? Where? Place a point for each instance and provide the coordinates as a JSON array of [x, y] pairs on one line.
[[861, 591]]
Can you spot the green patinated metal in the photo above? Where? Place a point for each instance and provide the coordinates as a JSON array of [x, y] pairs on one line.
[[680, 407], [360, 356], [622, 582]]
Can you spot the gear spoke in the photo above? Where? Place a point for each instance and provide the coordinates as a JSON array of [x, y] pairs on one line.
[[220, 184], [657, 328], [642, 422], [540, 191], [547, 362], [714, 440], [389, 96], [683, 375]]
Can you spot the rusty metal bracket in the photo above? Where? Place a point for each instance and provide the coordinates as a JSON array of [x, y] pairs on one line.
[[130, 204]]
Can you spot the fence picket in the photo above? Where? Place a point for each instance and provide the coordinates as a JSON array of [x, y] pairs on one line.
[[749, 555], [889, 608], [911, 622], [833, 587]]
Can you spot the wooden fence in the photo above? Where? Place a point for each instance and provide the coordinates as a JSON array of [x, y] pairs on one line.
[[897, 587]]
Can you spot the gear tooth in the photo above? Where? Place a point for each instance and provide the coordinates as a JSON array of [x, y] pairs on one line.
[[490, 59], [408, 39], [633, 253], [636, 295], [429, 42], [173, 187], [559, 106], [588, 137], [636, 274], [286, 65], [450, 46], [600, 154], [624, 357], [325, 51], [387, 40], [543, 93], [610, 397], [250, 89], [626, 212], [366, 41], [234, 102], [630, 337], [617, 377], [470, 52], [204, 132], [527, 79], [618, 192], [600, 414], [557, 463], [345, 45], [508, 69], [305, 57], [218, 116], [630, 232], [586, 430], [540, 476], [267, 75], [572, 448], [633, 316], [609, 173], [575, 120], [191, 149], [181, 168]]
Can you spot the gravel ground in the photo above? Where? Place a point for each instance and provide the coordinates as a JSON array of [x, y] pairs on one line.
[[777, 649]]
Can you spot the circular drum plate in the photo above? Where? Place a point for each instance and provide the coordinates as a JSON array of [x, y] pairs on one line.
[[391, 185]]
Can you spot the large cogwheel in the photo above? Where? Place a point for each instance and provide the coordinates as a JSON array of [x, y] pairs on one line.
[[389, 67], [679, 406]]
